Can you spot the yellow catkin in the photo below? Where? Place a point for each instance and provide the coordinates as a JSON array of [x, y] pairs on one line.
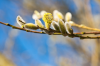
[[48, 18]]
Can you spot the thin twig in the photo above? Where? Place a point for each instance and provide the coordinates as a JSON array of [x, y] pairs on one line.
[[21, 28], [83, 33], [70, 35], [85, 27]]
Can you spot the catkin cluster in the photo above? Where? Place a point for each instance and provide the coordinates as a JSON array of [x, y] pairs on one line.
[[56, 21]]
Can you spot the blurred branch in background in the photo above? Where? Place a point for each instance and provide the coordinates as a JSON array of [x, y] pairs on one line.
[[46, 5], [5, 62]]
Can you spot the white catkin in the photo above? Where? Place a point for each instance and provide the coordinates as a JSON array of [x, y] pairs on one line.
[[62, 27], [39, 23], [55, 25], [20, 21], [68, 28], [71, 23], [42, 13], [57, 15], [34, 16], [68, 16]]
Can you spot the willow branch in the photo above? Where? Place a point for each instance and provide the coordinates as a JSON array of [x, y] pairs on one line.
[[21, 28], [55, 32]]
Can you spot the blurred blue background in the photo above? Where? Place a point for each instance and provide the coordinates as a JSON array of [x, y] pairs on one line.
[[30, 49]]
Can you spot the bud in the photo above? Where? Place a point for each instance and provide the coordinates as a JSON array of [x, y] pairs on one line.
[[62, 27], [36, 15], [47, 18], [30, 26], [68, 28], [42, 13], [20, 21], [55, 25], [68, 16], [39, 23], [71, 23], [57, 15]]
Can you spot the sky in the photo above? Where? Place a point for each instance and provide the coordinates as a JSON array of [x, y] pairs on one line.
[[29, 49]]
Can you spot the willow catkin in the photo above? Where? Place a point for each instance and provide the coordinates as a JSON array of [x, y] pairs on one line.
[[55, 25], [62, 27], [68, 16], [20, 21], [68, 28], [47, 18], [30, 26], [39, 23], [57, 15]]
